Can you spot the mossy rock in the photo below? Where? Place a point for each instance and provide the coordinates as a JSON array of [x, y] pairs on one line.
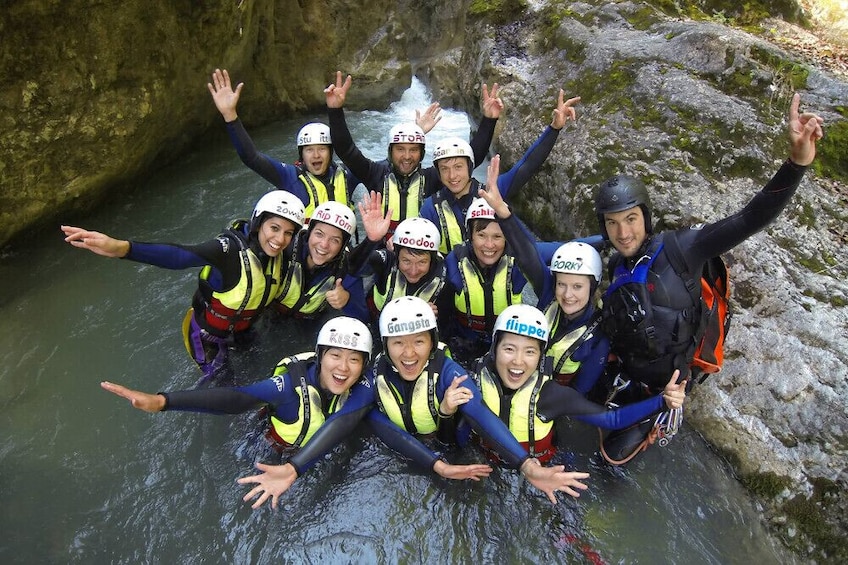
[[832, 152], [497, 11]]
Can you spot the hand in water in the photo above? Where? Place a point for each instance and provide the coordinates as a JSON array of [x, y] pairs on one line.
[[271, 483], [552, 479]]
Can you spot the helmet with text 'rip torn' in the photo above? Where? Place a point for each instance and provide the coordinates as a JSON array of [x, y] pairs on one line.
[[408, 315], [620, 193], [334, 214], [345, 333], [279, 203], [417, 233], [577, 258], [522, 319]]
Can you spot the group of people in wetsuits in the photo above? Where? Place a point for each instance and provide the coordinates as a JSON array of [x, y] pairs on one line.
[[438, 281]]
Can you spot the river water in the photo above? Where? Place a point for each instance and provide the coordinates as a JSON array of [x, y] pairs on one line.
[[87, 479]]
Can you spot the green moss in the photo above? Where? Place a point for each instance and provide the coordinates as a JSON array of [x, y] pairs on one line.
[[552, 18], [745, 13], [832, 152], [792, 75], [809, 515], [498, 11], [643, 18], [767, 485]]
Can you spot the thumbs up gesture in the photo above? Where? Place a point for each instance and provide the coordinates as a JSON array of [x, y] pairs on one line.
[[338, 296]]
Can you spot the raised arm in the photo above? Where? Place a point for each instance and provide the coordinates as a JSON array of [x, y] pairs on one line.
[[225, 97]]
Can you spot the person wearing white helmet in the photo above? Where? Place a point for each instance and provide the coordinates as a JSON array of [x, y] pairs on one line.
[[302, 391], [315, 178], [483, 279], [454, 160], [400, 179], [567, 291], [241, 274], [318, 277], [412, 382], [412, 267], [514, 378]]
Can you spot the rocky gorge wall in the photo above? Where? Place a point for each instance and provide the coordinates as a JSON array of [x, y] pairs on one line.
[[97, 96]]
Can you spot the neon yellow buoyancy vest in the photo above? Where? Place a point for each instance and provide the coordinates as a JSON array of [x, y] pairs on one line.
[[450, 228], [471, 300], [557, 349], [292, 293], [393, 199], [319, 192], [524, 424], [311, 411], [257, 287], [396, 286], [420, 416]]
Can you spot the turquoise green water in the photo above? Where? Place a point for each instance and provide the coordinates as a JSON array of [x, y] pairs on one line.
[[87, 479]]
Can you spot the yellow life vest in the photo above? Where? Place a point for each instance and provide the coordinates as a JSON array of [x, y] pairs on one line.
[[562, 365], [396, 285], [311, 410], [234, 309], [451, 228], [300, 300], [420, 415], [319, 192], [522, 419], [393, 197], [478, 303]]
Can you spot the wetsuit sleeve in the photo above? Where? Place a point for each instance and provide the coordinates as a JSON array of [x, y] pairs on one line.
[[481, 418], [362, 257], [221, 253], [220, 400], [279, 174], [356, 306], [530, 162], [369, 172], [557, 400], [482, 139], [526, 255], [593, 356], [400, 441], [337, 427], [698, 245]]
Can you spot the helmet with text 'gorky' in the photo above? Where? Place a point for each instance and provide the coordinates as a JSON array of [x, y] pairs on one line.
[[278, 203], [620, 193], [407, 315], [345, 333]]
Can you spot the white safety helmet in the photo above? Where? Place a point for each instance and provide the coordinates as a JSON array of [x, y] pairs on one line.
[[407, 133], [314, 134], [522, 319], [346, 333], [334, 214], [280, 203], [417, 233], [578, 258], [407, 315], [479, 210], [452, 147]]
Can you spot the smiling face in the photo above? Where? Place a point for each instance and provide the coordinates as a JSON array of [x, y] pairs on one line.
[[275, 234], [516, 359], [324, 243], [406, 157], [413, 264], [626, 230], [488, 243], [340, 369], [410, 353], [454, 174], [572, 292], [316, 158]]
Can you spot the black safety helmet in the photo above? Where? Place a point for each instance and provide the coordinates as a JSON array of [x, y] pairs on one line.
[[622, 192]]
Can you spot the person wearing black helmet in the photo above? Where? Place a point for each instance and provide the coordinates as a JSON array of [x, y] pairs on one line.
[[400, 178], [241, 275], [650, 315], [315, 178]]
